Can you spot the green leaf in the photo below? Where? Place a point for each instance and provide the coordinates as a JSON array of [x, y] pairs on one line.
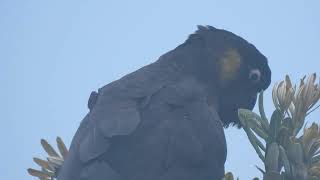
[[255, 143], [260, 169], [314, 148], [253, 121], [272, 158], [315, 159], [283, 136], [295, 153], [256, 127], [288, 123], [298, 126], [258, 142], [272, 176], [275, 124], [244, 115], [264, 122], [285, 161]]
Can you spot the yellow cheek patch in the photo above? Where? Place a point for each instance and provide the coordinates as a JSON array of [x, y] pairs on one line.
[[229, 65]]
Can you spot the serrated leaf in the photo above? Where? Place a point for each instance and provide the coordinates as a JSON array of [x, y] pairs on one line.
[[283, 136], [272, 176], [285, 161], [275, 124], [256, 141], [272, 157], [298, 126], [315, 159], [264, 122], [295, 153], [253, 142], [307, 147], [246, 114], [287, 122], [243, 115], [256, 127], [260, 145], [315, 148], [253, 121], [260, 169], [315, 171]]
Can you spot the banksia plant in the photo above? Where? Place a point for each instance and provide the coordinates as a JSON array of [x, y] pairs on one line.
[[310, 141], [50, 167], [285, 155]]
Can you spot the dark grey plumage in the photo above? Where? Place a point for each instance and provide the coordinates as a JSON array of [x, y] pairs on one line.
[[92, 100], [162, 122]]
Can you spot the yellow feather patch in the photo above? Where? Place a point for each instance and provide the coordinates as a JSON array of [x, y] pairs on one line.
[[229, 64]]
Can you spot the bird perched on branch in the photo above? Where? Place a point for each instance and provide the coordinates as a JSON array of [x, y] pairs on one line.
[[165, 121]]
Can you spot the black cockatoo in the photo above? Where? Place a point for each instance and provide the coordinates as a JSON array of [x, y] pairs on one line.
[[165, 121]]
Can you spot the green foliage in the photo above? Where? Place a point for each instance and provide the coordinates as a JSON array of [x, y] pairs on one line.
[[285, 155]]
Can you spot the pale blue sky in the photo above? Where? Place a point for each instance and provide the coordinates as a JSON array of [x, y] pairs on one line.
[[54, 53]]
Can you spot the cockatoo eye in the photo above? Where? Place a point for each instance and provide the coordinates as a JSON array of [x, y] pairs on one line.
[[255, 76]]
